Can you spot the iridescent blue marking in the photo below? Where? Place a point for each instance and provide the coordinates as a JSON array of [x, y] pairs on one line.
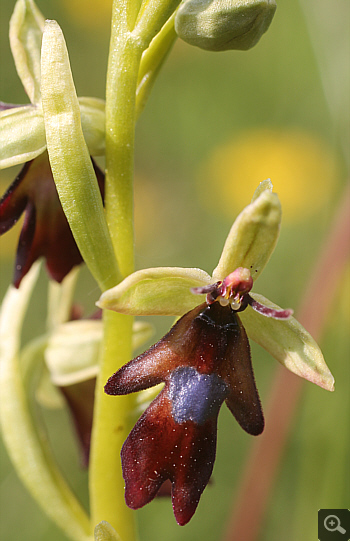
[[194, 396]]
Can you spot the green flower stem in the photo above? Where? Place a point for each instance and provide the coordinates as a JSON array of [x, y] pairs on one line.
[[113, 421], [126, 48], [120, 127], [113, 417], [25, 441]]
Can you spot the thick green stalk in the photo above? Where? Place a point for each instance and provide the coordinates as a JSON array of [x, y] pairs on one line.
[[112, 423], [112, 415]]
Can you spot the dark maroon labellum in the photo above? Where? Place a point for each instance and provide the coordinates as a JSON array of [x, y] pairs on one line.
[[203, 360]]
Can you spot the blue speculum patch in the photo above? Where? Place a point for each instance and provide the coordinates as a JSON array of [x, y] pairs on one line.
[[194, 396]]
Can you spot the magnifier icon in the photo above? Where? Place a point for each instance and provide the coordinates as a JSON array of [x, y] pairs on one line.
[[332, 524]]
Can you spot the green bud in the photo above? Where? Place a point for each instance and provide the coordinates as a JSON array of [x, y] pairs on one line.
[[219, 25]]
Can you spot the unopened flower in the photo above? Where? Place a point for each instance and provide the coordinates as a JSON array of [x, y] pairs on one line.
[[204, 360], [220, 25]]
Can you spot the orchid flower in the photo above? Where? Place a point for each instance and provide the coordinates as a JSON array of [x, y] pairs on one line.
[[204, 360], [45, 231]]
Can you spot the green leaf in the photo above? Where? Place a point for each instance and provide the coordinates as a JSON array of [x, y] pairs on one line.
[[26, 29], [289, 343], [22, 135], [70, 161], [157, 291], [252, 238]]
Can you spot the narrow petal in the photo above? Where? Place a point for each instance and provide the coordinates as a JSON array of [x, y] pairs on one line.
[[26, 29], [289, 343], [22, 135], [156, 291], [269, 312], [252, 238]]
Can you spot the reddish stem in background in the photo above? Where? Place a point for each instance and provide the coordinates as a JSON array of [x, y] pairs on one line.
[[261, 468]]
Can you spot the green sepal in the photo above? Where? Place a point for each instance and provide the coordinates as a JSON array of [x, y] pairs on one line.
[[156, 291], [70, 160], [73, 350], [289, 343], [26, 29], [22, 135], [93, 121], [252, 238]]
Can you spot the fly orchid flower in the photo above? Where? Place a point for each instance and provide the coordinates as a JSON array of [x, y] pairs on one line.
[[45, 231], [204, 360], [72, 359]]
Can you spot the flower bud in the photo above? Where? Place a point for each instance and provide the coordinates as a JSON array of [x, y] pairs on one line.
[[219, 25]]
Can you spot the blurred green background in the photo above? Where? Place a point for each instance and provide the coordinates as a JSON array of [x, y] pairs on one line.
[[215, 126]]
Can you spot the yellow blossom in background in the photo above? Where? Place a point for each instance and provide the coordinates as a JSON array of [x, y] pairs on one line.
[[89, 13], [303, 169]]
